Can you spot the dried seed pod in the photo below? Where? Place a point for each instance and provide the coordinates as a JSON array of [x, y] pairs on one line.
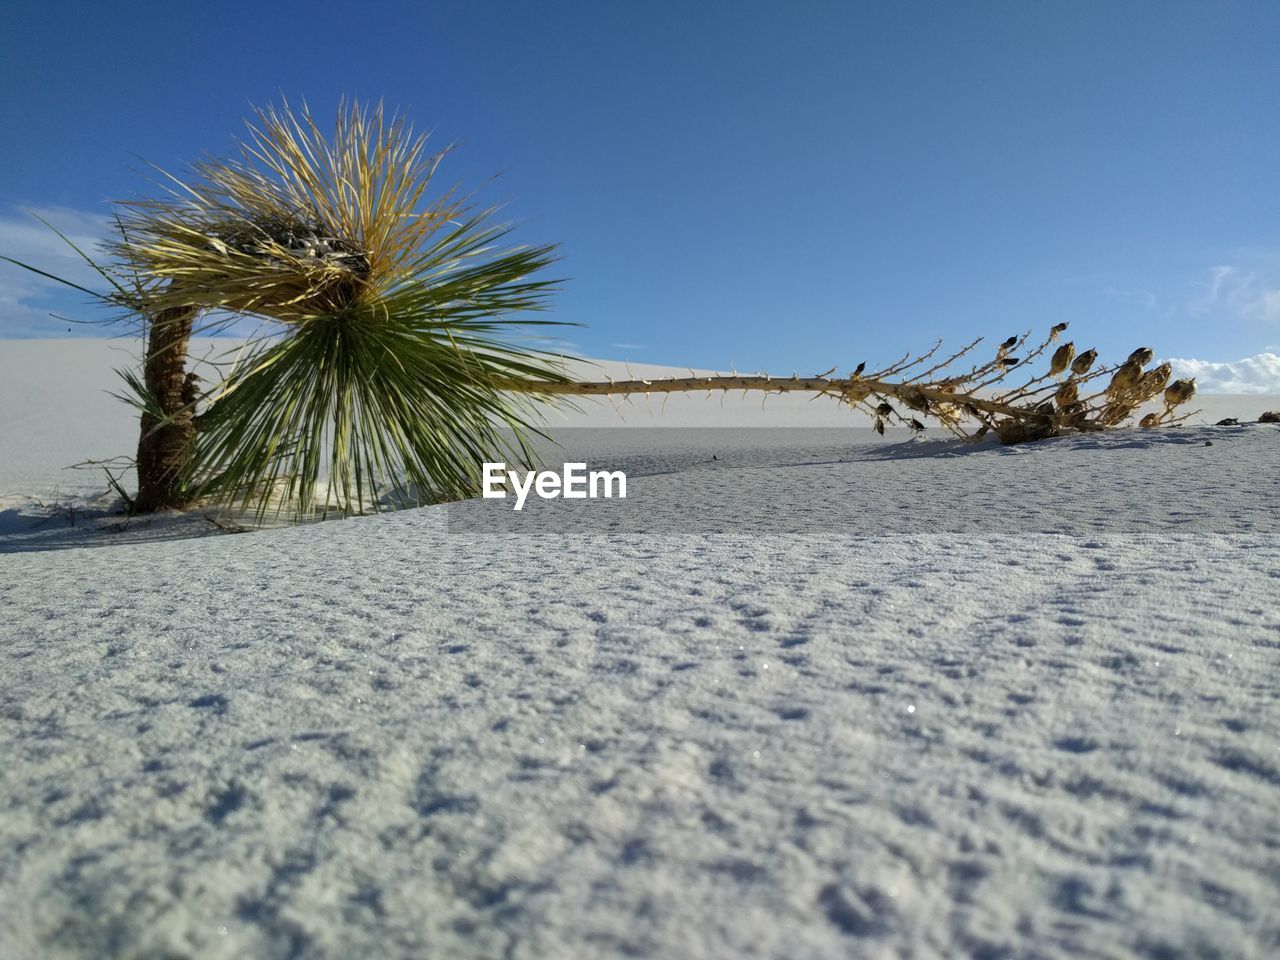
[[1084, 362], [1009, 344], [1179, 392], [1062, 358], [884, 410], [1010, 362], [879, 426], [1067, 394], [915, 399], [1149, 421], [1153, 381], [1074, 415], [1142, 356], [855, 394], [1056, 329], [857, 371], [1115, 412], [1125, 379], [1012, 430], [916, 425]]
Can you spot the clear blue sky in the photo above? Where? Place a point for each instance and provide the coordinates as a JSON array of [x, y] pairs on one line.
[[777, 185]]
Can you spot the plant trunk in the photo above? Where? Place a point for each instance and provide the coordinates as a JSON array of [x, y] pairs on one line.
[[165, 444]]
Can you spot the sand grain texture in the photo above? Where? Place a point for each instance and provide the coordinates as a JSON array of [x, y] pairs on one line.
[[395, 738]]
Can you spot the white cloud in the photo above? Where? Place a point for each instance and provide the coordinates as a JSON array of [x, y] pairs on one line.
[[1257, 374], [1221, 275], [629, 346], [1245, 294], [24, 296], [1268, 306], [549, 344], [25, 238]]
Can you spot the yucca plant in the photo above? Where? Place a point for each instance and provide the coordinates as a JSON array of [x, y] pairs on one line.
[[387, 370], [387, 317]]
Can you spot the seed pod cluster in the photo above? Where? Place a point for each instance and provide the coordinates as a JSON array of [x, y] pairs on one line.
[[1069, 392]]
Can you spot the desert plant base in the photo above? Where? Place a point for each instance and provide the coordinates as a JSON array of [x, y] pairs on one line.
[[167, 430]]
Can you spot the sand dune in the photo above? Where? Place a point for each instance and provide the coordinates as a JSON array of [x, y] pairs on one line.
[[822, 696]]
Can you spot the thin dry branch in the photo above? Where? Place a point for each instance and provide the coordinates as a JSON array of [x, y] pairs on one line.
[[962, 403]]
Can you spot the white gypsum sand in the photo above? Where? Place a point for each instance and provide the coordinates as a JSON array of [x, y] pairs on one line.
[[400, 736]]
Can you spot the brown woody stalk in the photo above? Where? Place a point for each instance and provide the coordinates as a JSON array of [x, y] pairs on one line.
[[968, 403]]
